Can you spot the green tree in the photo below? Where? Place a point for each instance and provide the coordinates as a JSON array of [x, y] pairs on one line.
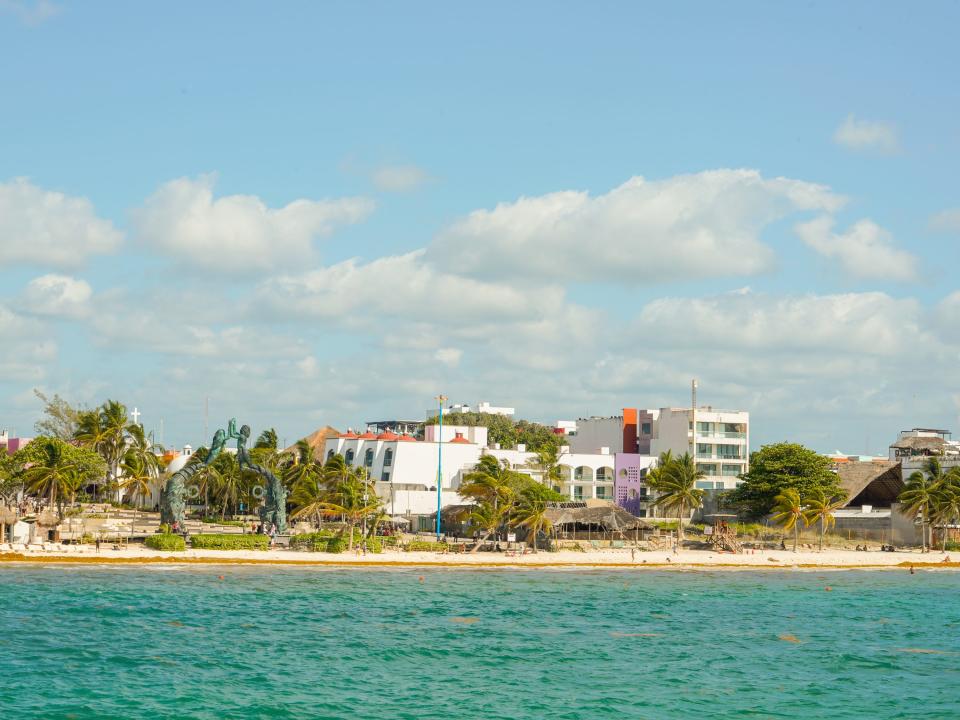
[[775, 468], [531, 513], [55, 469], [946, 504], [140, 466], [920, 495], [267, 439], [676, 487], [788, 512], [353, 497], [491, 482], [60, 419], [820, 508], [548, 463], [105, 429]]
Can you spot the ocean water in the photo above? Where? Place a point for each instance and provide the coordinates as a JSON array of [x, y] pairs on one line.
[[163, 642]]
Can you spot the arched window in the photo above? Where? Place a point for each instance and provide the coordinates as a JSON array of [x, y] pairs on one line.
[[368, 457], [605, 474], [583, 473], [330, 455], [349, 457], [388, 458]]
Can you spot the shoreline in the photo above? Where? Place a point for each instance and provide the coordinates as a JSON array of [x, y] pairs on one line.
[[619, 560]]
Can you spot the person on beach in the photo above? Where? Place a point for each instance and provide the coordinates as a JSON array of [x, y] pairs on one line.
[[98, 543]]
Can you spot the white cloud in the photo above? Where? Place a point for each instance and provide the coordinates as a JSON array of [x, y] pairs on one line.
[[27, 348], [866, 250], [400, 286], [688, 226], [30, 13], [866, 135], [947, 221], [399, 178], [871, 323], [47, 228], [449, 356], [57, 295], [238, 233]]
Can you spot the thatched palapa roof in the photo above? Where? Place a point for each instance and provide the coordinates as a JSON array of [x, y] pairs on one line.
[[610, 517], [877, 482], [927, 442], [316, 440]]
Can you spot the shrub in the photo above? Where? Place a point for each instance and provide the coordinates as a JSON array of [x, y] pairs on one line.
[[165, 541], [336, 545], [315, 541], [426, 546], [953, 546], [230, 542]]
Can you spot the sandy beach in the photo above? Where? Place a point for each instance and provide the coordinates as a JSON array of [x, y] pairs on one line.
[[619, 558]]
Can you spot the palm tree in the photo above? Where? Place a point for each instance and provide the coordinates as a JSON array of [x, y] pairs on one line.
[[488, 518], [677, 488], [656, 473], [300, 465], [946, 503], [54, 476], [789, 512], [820, 508], [140, 466], [354, 498], [230, 482], [491, 482], [531, 513], [267, 439], [105, 429], [919, 496], [311, 496], [548, 462]]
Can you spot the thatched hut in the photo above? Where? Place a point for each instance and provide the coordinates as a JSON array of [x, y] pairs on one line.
[[606, 520]]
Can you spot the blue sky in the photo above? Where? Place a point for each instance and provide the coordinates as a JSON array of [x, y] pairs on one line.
[[790, 244]]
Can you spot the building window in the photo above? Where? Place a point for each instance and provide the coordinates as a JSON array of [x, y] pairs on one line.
[[632, 494], [705, 427], [645, 428], [604, 474], [729, 451], [643, 491], [388, 458], [349, 457], [386, 478], [704, 449], [330, 455], [368, 457], [707, 468], [582, 473], [601, 493], [731, 470], [642, 512], [704, 485], [577, 492]]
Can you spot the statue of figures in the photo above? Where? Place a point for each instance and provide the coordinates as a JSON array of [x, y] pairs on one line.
[[273, 513], [173, 504]]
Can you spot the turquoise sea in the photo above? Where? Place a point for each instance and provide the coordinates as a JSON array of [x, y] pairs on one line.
[[164, 642]]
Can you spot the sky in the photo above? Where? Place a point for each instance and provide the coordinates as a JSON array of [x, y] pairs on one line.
[[329, 213]]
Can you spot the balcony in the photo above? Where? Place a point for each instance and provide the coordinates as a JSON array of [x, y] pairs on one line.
[[722, 435]]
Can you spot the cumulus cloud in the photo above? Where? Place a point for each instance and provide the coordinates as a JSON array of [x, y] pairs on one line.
[[27, 348], [866, 135], [238, 233], [866, 250], [399, 178], [46, 228], [688, 226], [402, 286], [57, 295], [871, 323]]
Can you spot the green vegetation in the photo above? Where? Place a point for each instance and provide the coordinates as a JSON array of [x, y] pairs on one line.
[[166, 541], [504, 430], [230, 542], [506, 498], [933, 496], [426, 546], [789, 513], [331, 541], [53, 468], [675, 482], [820, 508], [778, 467]]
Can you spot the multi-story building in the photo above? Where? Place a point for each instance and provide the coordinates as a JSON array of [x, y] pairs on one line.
[[719, 441], [480, 407], [583, 476], [914, 447]]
